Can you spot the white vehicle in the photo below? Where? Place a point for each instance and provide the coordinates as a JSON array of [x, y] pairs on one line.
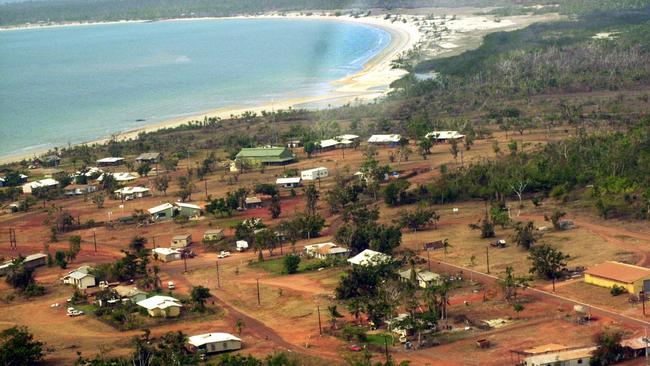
[[75, 313], [55, 305], [170, 285], [224, 254], [103, 284], [241, 245]]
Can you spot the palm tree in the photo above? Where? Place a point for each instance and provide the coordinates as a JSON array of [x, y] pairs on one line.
[[239, 325], [446, 246], [334, 314]]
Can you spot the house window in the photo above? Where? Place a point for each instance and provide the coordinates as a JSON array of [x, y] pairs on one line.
[[580, 361]]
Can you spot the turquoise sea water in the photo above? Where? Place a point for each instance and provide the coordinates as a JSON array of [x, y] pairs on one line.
[[76, 84]]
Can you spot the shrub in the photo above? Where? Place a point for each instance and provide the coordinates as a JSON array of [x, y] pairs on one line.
[[618, 290], [290, 264]]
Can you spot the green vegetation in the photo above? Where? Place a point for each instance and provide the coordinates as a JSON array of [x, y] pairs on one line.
[[18, 347]]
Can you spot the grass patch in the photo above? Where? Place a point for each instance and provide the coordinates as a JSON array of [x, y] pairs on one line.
[[276, 265]]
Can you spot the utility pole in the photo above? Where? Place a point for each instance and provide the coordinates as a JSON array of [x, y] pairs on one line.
[[184, 262], [487, 258], [218, 279], [95, 240], [428, 259], [153, 238], [386, 349], [12, 239], [645, 339], [206, 187], [258, 292], [320, 326], [642, 296]]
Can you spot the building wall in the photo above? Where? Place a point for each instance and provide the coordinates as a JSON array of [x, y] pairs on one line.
[[604, 282]]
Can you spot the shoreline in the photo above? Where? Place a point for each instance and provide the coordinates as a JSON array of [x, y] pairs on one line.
[[369, 83]]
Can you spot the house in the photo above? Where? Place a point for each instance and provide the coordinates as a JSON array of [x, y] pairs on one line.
[[391, 140], [120, 177], [315, 173], [110, 161], [213, 235], [348, 137], [424, 278], [214, 342], [325, 250], [162, 212], [166, 254], [161, 306], [131, 293], [131, 193], [265, 155], [572, 357], [13, 180], [294, 143], [369, 258], [292, 182], [633, 278], [335, 143], [181, 241], [81, 278], [47, 161], [29, 188], [79, 189], [253, 202], [188, 209], [443, 136], [151, 158]]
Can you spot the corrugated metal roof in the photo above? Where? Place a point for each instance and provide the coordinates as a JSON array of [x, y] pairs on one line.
[[617, 271]]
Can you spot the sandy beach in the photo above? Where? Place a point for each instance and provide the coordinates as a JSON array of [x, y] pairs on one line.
[[370, 83]]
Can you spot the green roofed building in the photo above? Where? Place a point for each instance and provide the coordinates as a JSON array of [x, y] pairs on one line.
[[266, 155]]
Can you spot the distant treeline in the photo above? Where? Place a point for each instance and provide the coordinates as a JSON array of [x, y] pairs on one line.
[[108, 10]]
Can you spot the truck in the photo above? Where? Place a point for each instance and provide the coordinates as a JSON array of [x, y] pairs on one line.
[[241, 245]]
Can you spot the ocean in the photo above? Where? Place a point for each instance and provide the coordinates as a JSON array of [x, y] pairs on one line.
[[68, 85]]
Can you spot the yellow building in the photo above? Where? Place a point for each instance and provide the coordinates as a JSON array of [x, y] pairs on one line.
[[162, 306], [633, 278]]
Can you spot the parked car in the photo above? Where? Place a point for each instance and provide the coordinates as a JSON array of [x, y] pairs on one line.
[[355, 348], [170, 285], [224, 254]]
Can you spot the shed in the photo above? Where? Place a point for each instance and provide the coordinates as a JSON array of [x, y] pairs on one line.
[[265, 155], [188, 209], [29, 188], [213, 235], [162, 212], [253, 202], [214, 342], [161, 306], [48, 161], [80, 278], [35, 260], [291, 182], [574, 357], [181, 241], [633, 278], [149, 157], [369, 258], [315, 173], [166, 254]]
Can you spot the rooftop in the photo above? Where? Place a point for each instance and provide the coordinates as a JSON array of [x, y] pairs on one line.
[[159, 302], [165, 251], [291, 180], [188, 205], [385, 138], [201, 339], [617, 271], [266, 154], [110, 159], [369, 257], [560, 356], [159, 208]]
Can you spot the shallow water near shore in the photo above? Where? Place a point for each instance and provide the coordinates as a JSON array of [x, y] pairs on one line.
[[74, 84]]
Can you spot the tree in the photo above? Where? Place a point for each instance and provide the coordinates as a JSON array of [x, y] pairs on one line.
[[239, 325], [414, 220], [18, 347], [59, 258], [99, 199], [75, 247], [609, 349], [525, 235], [292, 231], [199, 295], [265, 239], [486, 227], [446, 246], [162, 183], [186, 187], [395, 193], [311, 196], [309, 148], [138, 243], [510, 283], [18, 276], [454, 148], [275, 208], [547, 262], [144, 169], [332, 311], [555, 218], [290, 263]]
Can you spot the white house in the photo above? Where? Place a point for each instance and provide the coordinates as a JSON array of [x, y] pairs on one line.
[[574, 357], [131, 193], [444, 135], [181, 241], [335, 143], [133, 294], [166, 254], [315, 173], [385, 139], [369, 258], [80, 277], [348, 137], [325, 250], [161, 306], [214, 342], [28, 188], [162, 212], [291, 182]]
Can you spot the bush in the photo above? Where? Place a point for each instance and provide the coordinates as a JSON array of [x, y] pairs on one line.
[[290, 264], [618, 290]]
